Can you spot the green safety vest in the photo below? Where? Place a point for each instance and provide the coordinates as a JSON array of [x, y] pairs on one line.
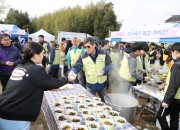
[[57, 57], [124, 70], [91, 69], [75, 55], [177, 95]]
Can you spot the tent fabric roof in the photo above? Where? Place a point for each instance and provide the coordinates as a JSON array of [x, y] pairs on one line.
[[42, 32], [47, 36], [8, 27]]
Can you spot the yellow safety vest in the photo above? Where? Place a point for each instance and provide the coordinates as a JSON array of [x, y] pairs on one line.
[[92, 69], [124, 70], [177, 95], [57, 57], [150, 58], [75, 55], [139, 64], [145, 62]]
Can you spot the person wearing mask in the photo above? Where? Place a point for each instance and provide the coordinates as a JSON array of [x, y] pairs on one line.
[[97, 65], [54, 60], [21, 101], [171, 102], [47, 49], [9, 58]]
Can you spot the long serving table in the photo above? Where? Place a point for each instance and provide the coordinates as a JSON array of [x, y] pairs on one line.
[[51, 96], [150, 92]]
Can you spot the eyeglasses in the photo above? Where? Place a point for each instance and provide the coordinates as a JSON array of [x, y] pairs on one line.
[[87, 47]]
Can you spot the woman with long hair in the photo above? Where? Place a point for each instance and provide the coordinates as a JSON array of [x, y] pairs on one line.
[[156, 69], [20, 103], [157, 66]]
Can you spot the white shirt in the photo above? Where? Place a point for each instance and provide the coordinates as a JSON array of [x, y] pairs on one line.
[[156, 65]]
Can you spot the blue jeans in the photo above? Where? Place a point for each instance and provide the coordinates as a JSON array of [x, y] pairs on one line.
[[101, 92], [14, 125]]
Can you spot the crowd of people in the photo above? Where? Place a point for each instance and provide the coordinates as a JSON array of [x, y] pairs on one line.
[[27, 71]]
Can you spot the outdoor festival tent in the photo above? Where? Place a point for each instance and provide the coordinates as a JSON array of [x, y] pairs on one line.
[[47, 36], [167, 32], [12, 30]]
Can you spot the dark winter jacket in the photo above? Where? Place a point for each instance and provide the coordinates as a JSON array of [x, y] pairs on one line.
[[23, 95], [174, 83], [11, 54]]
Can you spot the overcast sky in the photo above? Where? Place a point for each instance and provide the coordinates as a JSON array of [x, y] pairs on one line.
[[132, 13]]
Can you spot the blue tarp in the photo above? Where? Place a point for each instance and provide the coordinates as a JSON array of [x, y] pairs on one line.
[[116, 39], [13, 30], [169, 40]]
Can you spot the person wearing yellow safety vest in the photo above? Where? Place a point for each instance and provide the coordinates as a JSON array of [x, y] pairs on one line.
[[156, 69], [97, 65], [157, 66], [169, 62], [54, 60], [46, 48], [129, 70], [74, 53], [171, 102], [62, 47], [151, 50], [143, 61]]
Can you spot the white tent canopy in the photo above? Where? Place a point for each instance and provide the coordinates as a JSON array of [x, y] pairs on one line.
[[47, 36]]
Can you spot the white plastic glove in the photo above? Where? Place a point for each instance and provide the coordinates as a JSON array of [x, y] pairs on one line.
[[147, 78], [142, 70], [48, 66], [101, 73], [71, 76]]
